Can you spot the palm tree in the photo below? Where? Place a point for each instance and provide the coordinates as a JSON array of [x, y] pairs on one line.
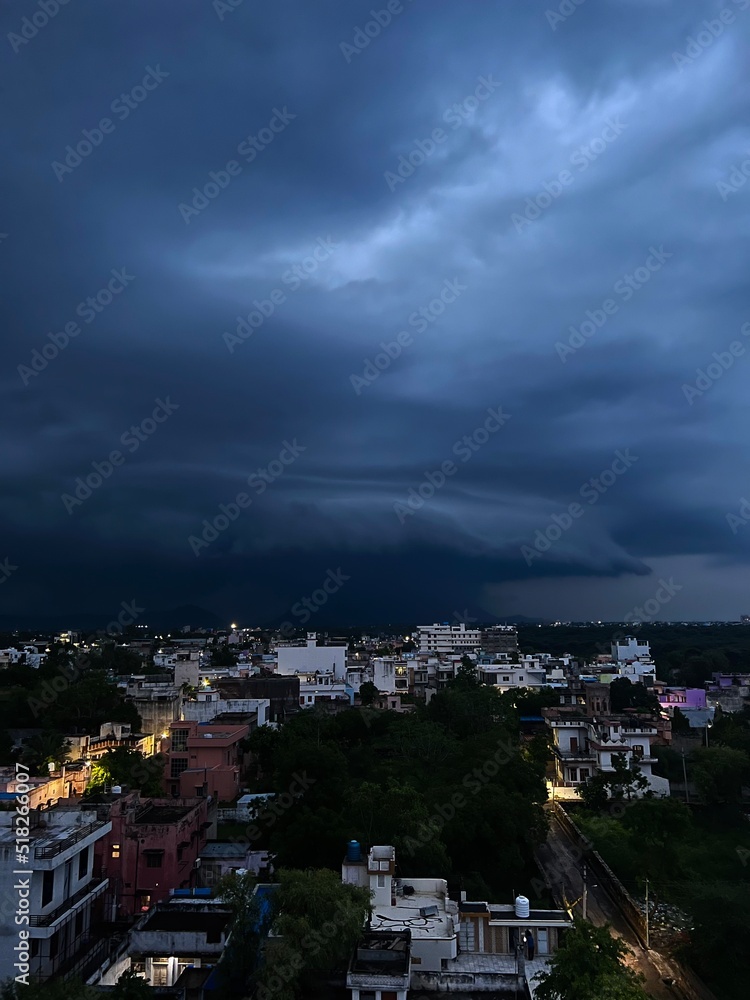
[[45, 748]]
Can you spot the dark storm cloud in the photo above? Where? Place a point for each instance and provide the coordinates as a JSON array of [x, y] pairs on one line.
[[644, 139]]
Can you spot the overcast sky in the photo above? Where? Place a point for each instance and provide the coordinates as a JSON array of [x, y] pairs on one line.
[[467, 185]]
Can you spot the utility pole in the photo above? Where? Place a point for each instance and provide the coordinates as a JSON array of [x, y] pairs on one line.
[[647, 937]]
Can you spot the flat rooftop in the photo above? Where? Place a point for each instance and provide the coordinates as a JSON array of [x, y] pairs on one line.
[[192, 920], [384, 953], [162, 815], [405, 916]]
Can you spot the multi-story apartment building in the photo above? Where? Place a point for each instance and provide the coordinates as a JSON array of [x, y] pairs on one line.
[[448, 638], [152, 848], [59, 884], [587, 737], [156, 700], [500, 639], [204, 759]]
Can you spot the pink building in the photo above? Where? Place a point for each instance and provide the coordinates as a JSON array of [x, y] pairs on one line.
[[204, 759], [151, 849]]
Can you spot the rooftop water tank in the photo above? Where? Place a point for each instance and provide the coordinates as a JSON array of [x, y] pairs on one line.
[[353, 851], [522, 907]]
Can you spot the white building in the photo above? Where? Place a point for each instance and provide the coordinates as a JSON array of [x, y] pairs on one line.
[[322, 686], [587, 740], [420, 905], [295, 659], [390, 675], [629, 649], [209, 703], [448, 638], [61, 889]]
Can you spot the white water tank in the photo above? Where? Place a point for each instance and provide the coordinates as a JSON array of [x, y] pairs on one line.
[[522, 907]]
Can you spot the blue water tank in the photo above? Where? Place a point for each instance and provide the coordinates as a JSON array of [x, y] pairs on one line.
[[353, 852]]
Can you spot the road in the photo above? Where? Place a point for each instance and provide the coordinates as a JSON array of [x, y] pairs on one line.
[[560, 861]]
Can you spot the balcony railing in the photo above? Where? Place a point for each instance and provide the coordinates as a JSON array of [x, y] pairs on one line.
[[52, 850], [45, 919]]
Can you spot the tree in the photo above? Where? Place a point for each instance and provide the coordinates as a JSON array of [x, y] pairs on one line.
[[238, 966], [320, 919], [624, 694], [368, 693], [122, 766], [43, 749], [589, 965], [131, 986], [719, 773]]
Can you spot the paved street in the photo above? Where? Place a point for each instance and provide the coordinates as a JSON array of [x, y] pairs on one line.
[[561, 863]]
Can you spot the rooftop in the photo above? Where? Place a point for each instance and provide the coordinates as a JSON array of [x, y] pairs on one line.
[[382, 953], [405, 915], [162, 815]]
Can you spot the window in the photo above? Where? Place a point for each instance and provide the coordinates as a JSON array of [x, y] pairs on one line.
[[83, 863], [115, 850], [381, 881], [153, 859], [179, 739], [638, 751], [48, 887], [178, 764]]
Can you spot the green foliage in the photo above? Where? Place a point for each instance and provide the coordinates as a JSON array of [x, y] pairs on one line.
[[719, 773], [122, 766], [624, 694], [131, 986], [238, 967], [368, 692], [589, 965], [625, 781], [444, 785], [43, 749], [320, 919]]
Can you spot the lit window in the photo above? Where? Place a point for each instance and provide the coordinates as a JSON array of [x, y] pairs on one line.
[[115, 850]]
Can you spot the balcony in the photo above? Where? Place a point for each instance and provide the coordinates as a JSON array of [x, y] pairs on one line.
[[52, 850], [93, 888], [583, 754]]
